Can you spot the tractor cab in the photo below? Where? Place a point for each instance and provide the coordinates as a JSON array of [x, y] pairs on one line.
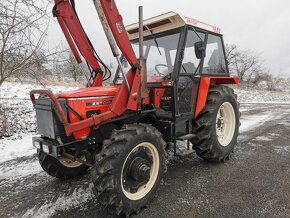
[[178, 52]]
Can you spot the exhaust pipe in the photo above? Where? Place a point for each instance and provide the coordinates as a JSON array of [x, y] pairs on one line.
[[142, 60]]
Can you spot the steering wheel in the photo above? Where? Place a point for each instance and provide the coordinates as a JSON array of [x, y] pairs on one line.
[[160, 65]]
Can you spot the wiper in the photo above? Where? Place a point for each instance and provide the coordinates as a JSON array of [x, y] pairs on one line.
[[156, 43], [184, 69]]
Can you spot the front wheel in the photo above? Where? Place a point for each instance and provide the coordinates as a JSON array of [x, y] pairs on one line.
[[217, 126], [62, 168], [129, 169]]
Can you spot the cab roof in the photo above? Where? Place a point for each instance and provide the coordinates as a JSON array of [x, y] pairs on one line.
[[168, 21]]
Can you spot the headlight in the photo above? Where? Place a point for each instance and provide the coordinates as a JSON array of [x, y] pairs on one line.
[[36, 144], [45, 148]]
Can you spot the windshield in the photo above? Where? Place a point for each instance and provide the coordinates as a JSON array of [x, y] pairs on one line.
[[160, 52]]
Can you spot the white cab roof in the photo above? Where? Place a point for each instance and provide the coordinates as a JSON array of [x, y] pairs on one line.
[[168, 21]]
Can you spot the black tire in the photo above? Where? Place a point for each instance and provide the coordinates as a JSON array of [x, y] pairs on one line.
[[56, 169], [107, 175], [206, 143]]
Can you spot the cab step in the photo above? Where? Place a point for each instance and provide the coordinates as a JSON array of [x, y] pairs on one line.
[[185, 137]]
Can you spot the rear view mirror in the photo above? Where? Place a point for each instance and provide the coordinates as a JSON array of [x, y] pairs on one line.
[[199, 49]]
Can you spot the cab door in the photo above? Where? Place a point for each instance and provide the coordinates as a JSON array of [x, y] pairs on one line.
[[188, 79]]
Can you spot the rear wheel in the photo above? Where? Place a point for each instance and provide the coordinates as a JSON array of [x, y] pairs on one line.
[[217, 126], [129, 169], [62, 168]]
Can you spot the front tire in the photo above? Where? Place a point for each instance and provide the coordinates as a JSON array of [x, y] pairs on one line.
[[61, 168], [217, 126], [129, 169]]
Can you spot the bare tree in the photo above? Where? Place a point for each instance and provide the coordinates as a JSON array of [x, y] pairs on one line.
[[74, 69], [68, 68], [23, 31], [243, 63]]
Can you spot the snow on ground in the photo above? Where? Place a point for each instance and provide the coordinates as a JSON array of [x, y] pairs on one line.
[[253, 121], [13, 149], [263, 138], [19, 170], [78, 197], [16, 108], [252, 95], [19, 90], [283, 150], [16, 147]]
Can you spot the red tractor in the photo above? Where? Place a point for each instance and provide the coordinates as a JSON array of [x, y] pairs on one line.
[[174, 91]]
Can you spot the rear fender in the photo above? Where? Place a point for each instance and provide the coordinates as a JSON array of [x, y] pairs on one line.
[[205, 84]]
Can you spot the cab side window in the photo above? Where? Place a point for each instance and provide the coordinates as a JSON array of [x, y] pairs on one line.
[[214, 62], [190, 62]]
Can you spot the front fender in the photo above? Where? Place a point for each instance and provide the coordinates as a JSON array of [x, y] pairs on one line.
[[205, 84]]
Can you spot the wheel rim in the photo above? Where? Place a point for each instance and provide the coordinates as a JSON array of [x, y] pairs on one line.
[[69, 163], [225, 124], [134, 187]]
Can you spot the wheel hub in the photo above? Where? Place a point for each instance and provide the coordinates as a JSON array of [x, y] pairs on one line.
[[137, 170], [225, 124], [220, 122], [140, 169]]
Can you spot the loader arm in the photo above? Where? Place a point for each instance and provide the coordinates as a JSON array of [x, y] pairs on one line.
[[127, 98], [76, 38]]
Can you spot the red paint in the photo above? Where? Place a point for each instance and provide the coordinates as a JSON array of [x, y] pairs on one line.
[[115, 20], [81, 107], [75, 36], [205, 83], [158, 94], [90, 92]]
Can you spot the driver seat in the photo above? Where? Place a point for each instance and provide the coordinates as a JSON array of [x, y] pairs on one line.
[[188, 67]]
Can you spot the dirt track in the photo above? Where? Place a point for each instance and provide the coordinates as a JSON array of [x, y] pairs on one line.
[[254, 183]]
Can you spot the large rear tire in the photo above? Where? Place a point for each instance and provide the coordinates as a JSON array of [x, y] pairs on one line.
[[129, 169], [62, 168], [217, 126]]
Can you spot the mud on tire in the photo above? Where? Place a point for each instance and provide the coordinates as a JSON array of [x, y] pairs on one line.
[[207, 143], [114, 175], [56, 169]]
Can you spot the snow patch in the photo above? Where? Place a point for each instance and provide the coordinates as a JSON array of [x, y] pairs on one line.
[[22, 90], [253, 95], [15, 147], [19, 170], [78, 197], [263, 138], [250, 122], [181, 150], [282, 149]]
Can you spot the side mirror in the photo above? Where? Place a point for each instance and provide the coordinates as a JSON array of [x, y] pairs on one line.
[[199, 49]]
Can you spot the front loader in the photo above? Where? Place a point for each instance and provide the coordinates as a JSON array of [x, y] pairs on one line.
[[175, 91]]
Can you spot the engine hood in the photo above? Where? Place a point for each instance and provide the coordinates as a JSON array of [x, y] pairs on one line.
[[90, 92]]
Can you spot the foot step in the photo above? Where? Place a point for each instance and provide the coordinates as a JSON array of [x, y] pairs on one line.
[[186, 137]]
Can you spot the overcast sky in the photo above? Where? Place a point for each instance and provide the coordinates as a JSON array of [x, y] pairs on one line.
[[262, 26]]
